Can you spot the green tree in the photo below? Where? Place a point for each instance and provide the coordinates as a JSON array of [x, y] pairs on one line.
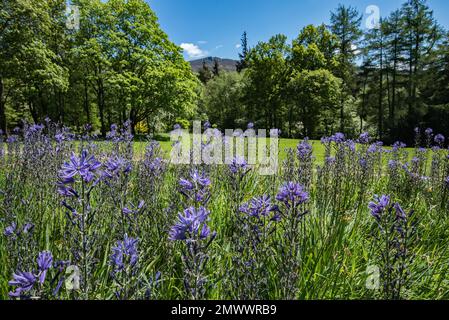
[[28, 66], [267, 78], [216, 69], [205, 74], [313, 89], [222, 100], [421, 34], [315, 93], [242, 64], [345, 24]]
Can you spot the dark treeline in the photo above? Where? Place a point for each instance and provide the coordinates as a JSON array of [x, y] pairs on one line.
[[120, 65], [387, 79]]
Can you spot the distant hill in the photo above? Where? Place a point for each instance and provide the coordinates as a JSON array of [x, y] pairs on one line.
[[225, 64]]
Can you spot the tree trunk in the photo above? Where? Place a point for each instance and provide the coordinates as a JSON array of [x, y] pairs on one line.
[[381, 111], [86, 101], [100, 101]]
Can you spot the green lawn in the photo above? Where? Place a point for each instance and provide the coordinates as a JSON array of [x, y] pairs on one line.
[[284, 144]]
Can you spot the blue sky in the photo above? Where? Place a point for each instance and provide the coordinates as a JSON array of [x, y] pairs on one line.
[[214, 27]]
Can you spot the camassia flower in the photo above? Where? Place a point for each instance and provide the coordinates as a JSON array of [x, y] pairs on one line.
[[114, 166], [191, 225], [364, 138], [304, 150], [260, 207], [84, 166], [197, 188], [439, 138], [378, 206], [125, 253], [292, 194], [23, 281], [44, 262], [238, 165], [10, 230]]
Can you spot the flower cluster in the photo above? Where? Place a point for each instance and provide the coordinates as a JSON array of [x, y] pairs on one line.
[[304, 150], [115, 166], [125, 254], [292, 194], [378, 206], [84, 166], [238, 166], [260, 207], [191, 225], [197, 188], [26, 281]]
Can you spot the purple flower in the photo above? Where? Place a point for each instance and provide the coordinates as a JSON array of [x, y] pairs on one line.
[[351, 145], [132, 209], [338, 138], [258, 207], [398, 145], [176, 126], [392, 164], [125, 253], [23, 281], [364, 138], [304, 150], [197, 188], [292, 194], [65, 190], [191, 225], [378, 206], [250, 125], [439, 138], [330, 160], [12, 139], [114, 166], [59, 137], [429, 132], [44, 261], [400, 213], [207, 125], [10, 230], [325, 140], [238, 165], [84, 166], [446, 181], [363, 163], [27, 228]]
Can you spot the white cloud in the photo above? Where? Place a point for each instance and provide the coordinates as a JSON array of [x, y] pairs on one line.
[[202, 42], [238, 45], [218, 47], [355, 49], [193, 51]]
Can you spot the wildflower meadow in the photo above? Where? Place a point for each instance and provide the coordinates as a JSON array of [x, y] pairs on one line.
[[87, 218]]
